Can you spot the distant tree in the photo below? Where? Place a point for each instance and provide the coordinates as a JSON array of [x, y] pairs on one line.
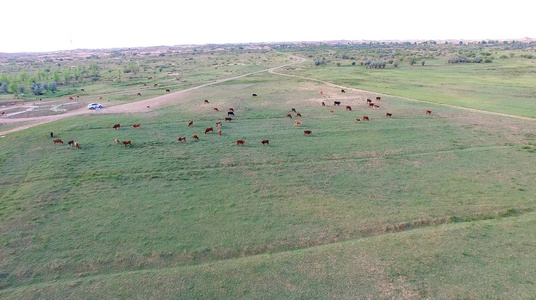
[[56, 76], [3, 87], [53, 87], [14, 87], [37, 88], [412, 61], [21, 88]]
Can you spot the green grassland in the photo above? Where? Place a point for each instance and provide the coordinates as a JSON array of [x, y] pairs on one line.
[[413, 206]]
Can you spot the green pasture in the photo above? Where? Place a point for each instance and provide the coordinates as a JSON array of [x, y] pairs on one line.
[[413, 206], [505, 85]]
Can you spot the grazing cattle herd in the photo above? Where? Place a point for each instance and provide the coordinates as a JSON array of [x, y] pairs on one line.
[[230, 112]]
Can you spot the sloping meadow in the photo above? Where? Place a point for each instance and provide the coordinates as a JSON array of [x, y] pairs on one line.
[[74, 215]]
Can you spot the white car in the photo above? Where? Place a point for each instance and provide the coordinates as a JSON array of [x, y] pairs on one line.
[[94, 106]]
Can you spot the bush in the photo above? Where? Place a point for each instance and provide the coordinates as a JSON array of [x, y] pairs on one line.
[[488, 61]]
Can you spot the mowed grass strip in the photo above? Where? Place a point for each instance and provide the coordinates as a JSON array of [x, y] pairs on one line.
[[106, 208]]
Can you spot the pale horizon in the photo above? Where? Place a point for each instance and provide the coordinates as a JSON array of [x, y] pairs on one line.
[[58, 25]]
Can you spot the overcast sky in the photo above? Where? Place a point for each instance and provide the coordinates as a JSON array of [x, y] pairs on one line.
[[38, 25]]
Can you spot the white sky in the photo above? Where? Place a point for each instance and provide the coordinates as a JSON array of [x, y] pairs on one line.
[[47, 25]]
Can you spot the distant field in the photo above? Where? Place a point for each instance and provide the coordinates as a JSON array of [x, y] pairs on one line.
[[409, 207]]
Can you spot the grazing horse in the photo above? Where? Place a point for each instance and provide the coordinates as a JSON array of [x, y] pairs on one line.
[[378, 98], [58, 141], [428, 112], [365, 118], [336, 103], [289, 116], [191, 123], [388, 115], [254, 95], [76, 145], [297, 122], [136, 125], [265, 142], [71, 143], [209, 130], [116, 126], [230, 113], [218, 124], [139, 94], [307, 132], [195, 137], [348, 107], [323, 104], [206, 101], [182, 139], [168, 91], [343, 91], [240, 142], [228, 119], [127, 143], [71, 98]]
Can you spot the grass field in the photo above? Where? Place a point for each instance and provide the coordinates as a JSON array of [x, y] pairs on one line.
[[408, 207]]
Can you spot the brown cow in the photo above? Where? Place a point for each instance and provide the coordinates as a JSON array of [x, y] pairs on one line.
[[3, 113], [136, 125], [289, 116], [388, 115], [376, 106], [195, 137], [219, 131], [307, 132], [116, 126], [139, 94], [82, 90], [71, 143], [71, 98], [231, 109], [216, 109], [298, 115], [76, 145], [100, 98], [148, 106], [206, 101], [348, 107], [365, 118], [378, 98], [218, 124], [371, 104], [155, 85], [428, 112], [240, 142], [209, 130], [336, 103], [127, 143], [58, 141], [330, 111], [145, 84], [265, 142], [182, 139], [297, 122], [228, 119], [358, 120], [369, 101], [191, 123], [168, 91]]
